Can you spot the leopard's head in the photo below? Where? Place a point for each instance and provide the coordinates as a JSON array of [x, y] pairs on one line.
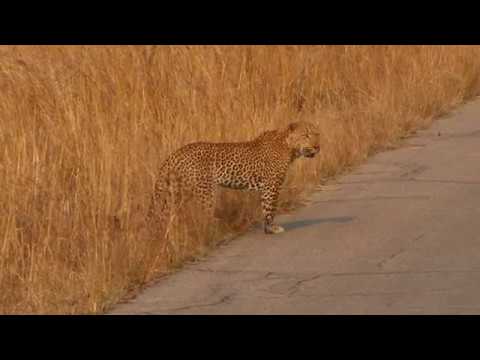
[[303, 139]]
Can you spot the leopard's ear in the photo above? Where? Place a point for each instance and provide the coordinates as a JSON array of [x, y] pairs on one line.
[[293, 126]]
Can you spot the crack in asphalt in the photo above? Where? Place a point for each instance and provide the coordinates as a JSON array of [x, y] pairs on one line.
[[301, 279], [359, 273], [225, 299], [382, 263], [372, 294], [446, 137], [375, 198], [446, 181], [440, 136], [296, 287], [415, 171]]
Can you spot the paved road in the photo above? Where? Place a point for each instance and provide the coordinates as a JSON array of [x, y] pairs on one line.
[[400, 235]]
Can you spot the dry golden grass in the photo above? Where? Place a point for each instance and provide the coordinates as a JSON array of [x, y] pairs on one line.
[[83, 130]]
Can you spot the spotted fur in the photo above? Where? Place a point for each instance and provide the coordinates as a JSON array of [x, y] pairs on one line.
[[258, 165]]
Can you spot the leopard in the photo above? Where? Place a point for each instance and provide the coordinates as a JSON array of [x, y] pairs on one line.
[[259, 165]]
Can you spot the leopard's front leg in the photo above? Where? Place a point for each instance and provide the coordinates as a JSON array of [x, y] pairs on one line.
[[269, 199]]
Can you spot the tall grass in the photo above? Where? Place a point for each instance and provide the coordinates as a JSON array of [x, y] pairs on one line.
[[83, 130]]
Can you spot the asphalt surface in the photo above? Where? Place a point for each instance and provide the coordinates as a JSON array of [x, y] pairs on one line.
[[398, 235]]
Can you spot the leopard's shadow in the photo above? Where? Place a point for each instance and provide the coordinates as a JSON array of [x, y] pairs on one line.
[[304, 223]]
